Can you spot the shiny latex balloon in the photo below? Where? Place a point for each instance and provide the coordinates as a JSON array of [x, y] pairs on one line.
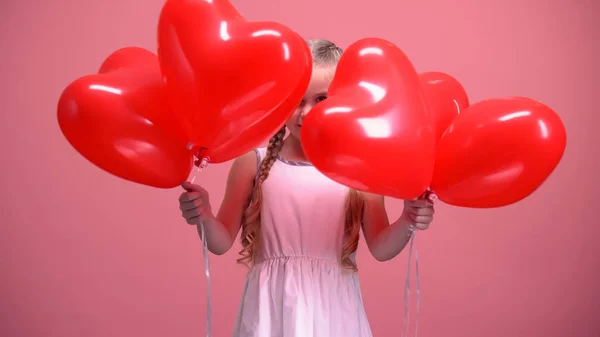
[[119, 120], [497, 152], [128, 57], [373, 133], [232, 83], [446, 98]]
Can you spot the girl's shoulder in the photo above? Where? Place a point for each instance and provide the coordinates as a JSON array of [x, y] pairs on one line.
[[247, 164]]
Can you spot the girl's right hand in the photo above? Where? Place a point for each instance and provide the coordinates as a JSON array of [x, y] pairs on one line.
[[194, 204]]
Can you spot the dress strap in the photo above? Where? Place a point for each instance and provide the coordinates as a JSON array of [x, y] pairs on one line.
[[259, 157]]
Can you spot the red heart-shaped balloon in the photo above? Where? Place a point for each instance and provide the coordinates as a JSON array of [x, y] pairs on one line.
[[232, 83], [446, 98], [118, 119], [497, 152], [374, 132], [128, 57]]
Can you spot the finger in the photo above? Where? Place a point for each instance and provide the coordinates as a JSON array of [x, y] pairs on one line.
[[422, 220], [191, 213], [413, 216], [426, 211], [189, 196], [419, 211], [188, 205], [421, 226], [419, 203], [193, 187], [188, 186], [193, 221]]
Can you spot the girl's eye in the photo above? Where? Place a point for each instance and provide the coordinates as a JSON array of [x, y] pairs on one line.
[[321, 99]]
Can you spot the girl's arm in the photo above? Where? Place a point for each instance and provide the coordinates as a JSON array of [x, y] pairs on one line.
[[386, 240], [221, 230]]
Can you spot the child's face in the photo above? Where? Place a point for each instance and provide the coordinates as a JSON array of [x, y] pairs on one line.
[[316, 92]]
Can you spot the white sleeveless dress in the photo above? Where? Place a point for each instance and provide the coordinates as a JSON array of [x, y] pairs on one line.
[[297, 287]]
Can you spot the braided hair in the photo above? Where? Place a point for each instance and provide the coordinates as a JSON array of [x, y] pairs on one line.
[[251, 218]]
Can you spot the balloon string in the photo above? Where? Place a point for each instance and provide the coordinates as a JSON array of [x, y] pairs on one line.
[[418, 282], [207, 272], [413, 233], [201, 165], [431, 196]]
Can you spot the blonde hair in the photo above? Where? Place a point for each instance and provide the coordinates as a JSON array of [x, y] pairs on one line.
[[324, 53]]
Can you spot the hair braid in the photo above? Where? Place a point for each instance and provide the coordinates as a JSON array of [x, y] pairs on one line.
[[352, 223], [250, 236]]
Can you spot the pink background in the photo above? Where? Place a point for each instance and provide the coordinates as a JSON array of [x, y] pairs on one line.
[[85, 254]]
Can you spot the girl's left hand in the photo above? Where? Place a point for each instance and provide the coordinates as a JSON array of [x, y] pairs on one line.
[[419, 212]]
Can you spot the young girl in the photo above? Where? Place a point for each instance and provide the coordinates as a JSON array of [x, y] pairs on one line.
[[300, 231]]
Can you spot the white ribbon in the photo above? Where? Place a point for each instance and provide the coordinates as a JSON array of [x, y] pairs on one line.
[[203, 164], [431, 196], [407, 286], [207, 272]]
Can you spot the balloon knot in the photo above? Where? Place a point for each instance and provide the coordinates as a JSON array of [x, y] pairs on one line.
[[202, 162]]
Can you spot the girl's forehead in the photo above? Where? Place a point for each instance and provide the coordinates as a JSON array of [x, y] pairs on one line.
[[321, 78], [323, 73]]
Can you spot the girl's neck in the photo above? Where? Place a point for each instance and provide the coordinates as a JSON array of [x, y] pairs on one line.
[[292, 150]]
